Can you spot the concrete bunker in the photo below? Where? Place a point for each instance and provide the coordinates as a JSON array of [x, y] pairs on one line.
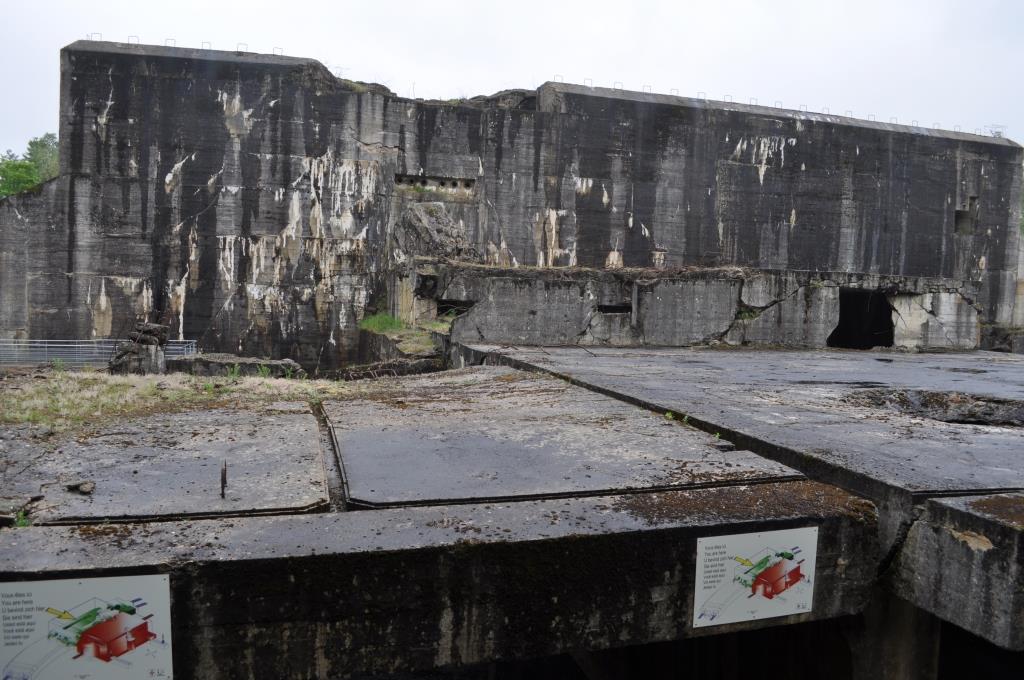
[[865, 320]]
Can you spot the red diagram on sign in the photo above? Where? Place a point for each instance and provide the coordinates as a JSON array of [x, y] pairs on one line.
[[777, 578], [117, 635]]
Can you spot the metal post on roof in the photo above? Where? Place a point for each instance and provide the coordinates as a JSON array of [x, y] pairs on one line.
[[206, 45], [278, 51], [996, 129], [242, 47], [170, 42], [133, 40]]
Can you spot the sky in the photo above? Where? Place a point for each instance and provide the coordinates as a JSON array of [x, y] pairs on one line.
[[933, 61]]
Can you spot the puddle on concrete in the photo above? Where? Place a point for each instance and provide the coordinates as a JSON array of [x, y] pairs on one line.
[[948, 407]]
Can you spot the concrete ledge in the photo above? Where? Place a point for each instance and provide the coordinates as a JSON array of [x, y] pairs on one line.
[[408, 589], [964, 562]]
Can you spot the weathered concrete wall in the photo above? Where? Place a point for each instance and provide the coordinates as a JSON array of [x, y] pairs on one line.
[[731, 305], [228, 197], [249, 200], [32, 241]]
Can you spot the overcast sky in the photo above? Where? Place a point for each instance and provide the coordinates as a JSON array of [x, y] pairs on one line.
[[945, 61]]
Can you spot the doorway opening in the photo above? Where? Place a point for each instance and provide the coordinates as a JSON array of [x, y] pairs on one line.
[[865, 320]]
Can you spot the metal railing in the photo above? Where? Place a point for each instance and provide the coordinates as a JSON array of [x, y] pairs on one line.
[[75, 353]]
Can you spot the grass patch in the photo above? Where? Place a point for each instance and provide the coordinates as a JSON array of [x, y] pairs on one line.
[[415, 341], [73, 401], [441, 324], [409, 339], [381, 323]]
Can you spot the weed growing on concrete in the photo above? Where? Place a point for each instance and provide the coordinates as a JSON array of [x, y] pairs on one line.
[[669, 415], [263, 370], [21, 519], [234, 372]]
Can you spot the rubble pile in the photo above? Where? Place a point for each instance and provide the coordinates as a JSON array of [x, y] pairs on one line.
[[144, 351]]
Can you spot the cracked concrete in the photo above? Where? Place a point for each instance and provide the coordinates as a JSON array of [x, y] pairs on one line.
[[529, 306]]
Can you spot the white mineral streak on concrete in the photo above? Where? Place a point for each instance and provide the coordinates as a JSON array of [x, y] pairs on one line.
[[226, 259], [173, 178], [104, 116], [583, 185], [237, 120], [102, 313]]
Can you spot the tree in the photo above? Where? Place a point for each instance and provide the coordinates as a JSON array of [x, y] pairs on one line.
[[16, 176], [42, 152], [39, 164]]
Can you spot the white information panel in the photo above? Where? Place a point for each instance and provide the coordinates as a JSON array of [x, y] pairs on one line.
[[745, 577], [102, 628]]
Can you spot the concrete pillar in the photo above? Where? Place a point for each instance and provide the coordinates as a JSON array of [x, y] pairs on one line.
[[894, 640]]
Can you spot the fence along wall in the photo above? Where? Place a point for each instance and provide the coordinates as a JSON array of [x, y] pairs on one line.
[[75, 353], [250, 200]]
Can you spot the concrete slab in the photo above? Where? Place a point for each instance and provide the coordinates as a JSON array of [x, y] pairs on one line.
[[406, 589], [169, 465], [962, 561], [807, 409], [492, 433], [875, 423]]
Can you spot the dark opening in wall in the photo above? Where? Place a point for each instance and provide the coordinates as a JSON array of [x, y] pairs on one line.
[[967, 218], [430, 183], [426, 286], [456, 307], [865, 320], [624, 308]]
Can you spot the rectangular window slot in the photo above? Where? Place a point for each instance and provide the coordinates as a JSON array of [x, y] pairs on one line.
[[458, 185], [624, 308], [965, 220]]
